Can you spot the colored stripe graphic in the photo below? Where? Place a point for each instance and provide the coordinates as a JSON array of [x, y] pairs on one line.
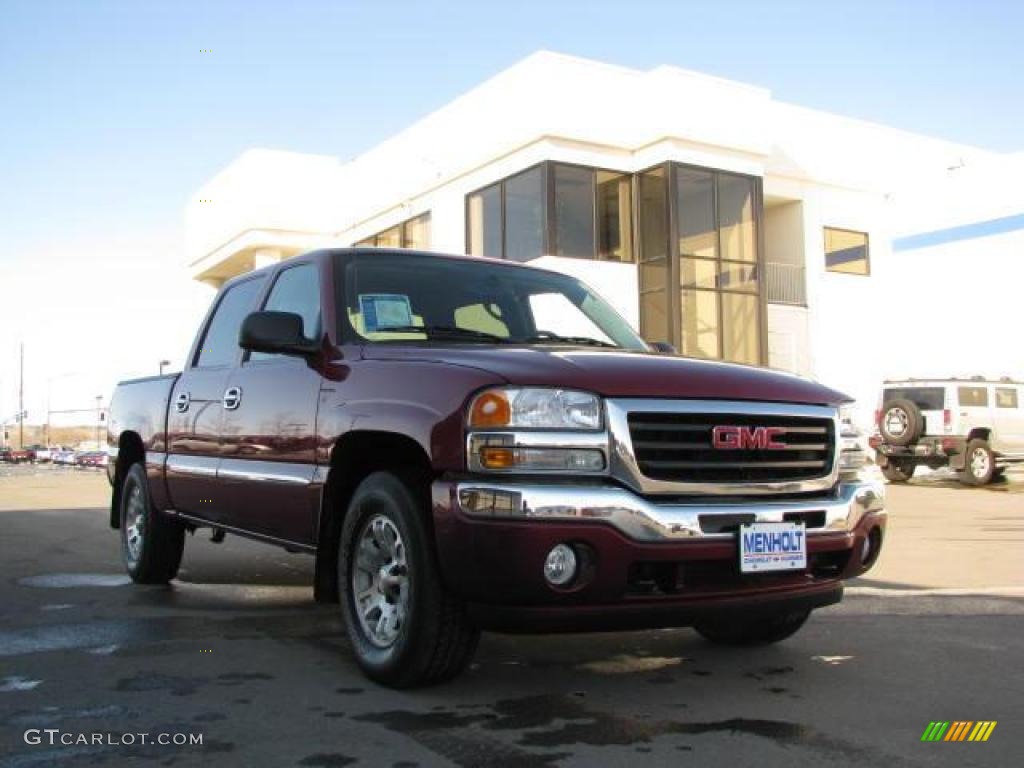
[[958, 730]]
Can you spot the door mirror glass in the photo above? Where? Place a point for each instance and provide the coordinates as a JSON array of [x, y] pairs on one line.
[[275, 333]]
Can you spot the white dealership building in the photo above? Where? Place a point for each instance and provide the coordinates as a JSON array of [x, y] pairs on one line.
[[713, 216]]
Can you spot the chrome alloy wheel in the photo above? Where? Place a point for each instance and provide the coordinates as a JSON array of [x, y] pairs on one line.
[[380, 581], [135, 524], [979, 462], [896, 422]]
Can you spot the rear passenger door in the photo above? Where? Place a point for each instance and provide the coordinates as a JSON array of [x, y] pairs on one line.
[[268, 450], [195, 415], [974, 407]]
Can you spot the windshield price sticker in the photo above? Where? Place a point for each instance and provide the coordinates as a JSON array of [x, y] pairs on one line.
[[772, 547], [385, 310]]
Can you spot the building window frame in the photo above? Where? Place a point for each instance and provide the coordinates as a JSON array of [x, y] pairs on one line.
[[674, 285], [403, 227], [867, 250], [549, 222]]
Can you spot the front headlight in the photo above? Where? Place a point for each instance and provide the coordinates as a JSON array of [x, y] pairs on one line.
[[535, 408]]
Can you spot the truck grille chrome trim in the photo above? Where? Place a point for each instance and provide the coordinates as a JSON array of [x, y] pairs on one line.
[[647, 521], [674, 447]]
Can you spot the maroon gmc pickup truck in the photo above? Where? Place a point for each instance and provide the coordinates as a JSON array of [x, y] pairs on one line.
[[466, 444]]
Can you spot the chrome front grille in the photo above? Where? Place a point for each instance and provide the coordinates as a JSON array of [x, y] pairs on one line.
[[679, 447], [670, 447]]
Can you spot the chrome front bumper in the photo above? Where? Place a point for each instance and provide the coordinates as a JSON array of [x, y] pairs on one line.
[[646, 520]]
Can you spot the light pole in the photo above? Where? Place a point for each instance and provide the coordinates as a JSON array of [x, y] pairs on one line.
[[99, 415], [162, 364]]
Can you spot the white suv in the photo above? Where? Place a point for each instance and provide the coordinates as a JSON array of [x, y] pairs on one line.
[[975, 426]]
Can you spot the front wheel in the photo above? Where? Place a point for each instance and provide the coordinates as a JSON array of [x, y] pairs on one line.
[[151, 542], [752, 631], [981, 463], [405, 628]]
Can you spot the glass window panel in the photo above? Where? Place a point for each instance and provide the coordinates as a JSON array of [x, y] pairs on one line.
[[524, 216], [220, 344], [698, 273], [485, 222], [1006, 397], [736, 217], [654, 316], [973, 396], [741, 341], [367, 243], [390, 238], [846, 251], [737, 277], [614, 216], [296, 290], [695, 209], [416, 233], [574, 211], [699, 334]]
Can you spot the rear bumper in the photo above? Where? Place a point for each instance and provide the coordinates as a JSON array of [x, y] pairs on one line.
[[645, 564]]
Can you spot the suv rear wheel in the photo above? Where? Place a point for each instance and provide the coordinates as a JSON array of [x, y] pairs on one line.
[[752, 631], [896, 471], [405, 628], [981, 463]]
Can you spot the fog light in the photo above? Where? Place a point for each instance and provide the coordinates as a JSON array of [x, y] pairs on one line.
[[560, 565]]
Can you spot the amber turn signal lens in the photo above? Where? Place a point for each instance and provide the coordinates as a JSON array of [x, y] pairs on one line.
[[492, 457], [491, 409]]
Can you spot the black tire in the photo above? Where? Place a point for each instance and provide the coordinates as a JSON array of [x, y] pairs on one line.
[[154, 555], [896, 471], [901, 422], [434, 640], [979, 463], [744, 631], [999, 473]]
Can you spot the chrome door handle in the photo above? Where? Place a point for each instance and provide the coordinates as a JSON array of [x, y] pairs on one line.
[[182, 401], [232, 398]]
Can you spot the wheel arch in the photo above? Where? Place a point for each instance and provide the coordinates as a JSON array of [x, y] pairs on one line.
[[130, 450], [355, 456], [980, 433]]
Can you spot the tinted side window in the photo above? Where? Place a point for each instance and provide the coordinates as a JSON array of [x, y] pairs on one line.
[[296, 290], [220, 344], [925, 398], [973, 396], [1006, 397]]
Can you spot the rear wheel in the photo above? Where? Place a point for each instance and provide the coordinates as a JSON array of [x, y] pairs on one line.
[[406, 629], [981, 463], [752, 631], [151, 542], [898, 471]]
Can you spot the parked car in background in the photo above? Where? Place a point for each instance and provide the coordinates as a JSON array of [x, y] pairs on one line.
[[63, 456], [468, 444], [16, 455], [92, 459], [40, 453], [973, 425]]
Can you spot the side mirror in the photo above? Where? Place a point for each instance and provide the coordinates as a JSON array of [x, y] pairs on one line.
[[662, 347], [278, 333]]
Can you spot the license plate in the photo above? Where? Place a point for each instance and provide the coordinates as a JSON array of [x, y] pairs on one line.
[[772, 547]]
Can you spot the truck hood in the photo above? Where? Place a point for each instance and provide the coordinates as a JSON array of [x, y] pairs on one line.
[[620, 374]]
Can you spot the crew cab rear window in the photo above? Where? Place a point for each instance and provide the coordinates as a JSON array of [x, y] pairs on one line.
[[1006, 397], [973, 396], [925, 398], [220, 343]]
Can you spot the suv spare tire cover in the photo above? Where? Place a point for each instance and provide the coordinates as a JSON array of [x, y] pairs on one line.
[[901, 422]]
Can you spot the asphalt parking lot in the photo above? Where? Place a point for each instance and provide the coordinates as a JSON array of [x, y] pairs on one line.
[[237, 651]]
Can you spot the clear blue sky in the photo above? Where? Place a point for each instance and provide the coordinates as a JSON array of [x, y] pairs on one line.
[[110, 116]]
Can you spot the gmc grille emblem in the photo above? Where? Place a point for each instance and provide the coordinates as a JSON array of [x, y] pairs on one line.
[[729, 438]]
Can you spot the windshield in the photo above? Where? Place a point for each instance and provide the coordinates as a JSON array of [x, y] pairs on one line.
[[393, 297]]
